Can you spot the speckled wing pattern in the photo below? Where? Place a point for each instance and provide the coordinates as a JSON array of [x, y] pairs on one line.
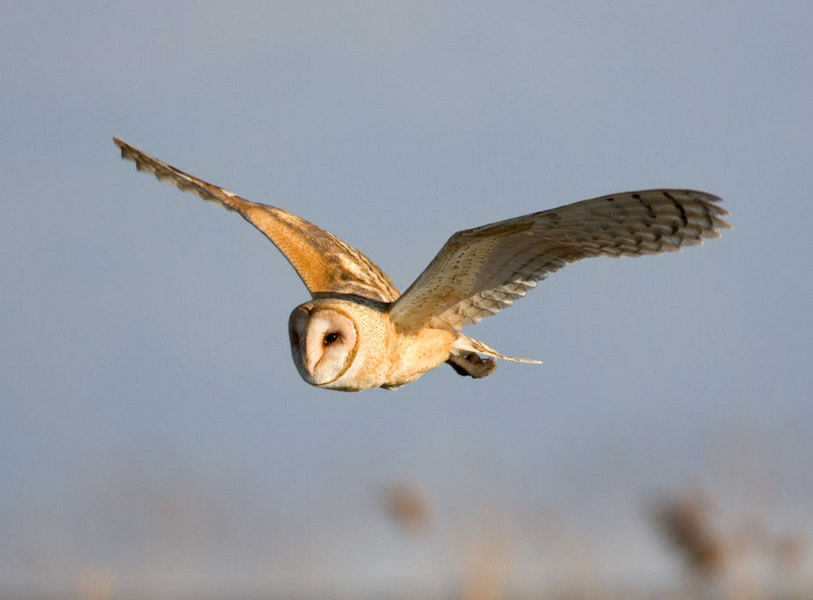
[[325, 263], [480, 271]]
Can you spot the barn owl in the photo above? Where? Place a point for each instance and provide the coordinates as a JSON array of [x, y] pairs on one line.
[[358, 331]]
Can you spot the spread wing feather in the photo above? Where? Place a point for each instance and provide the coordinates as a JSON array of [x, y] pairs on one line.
[[480, 271], [324, 263]]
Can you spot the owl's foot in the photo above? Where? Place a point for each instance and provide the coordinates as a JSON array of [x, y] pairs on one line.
[[472, 364]]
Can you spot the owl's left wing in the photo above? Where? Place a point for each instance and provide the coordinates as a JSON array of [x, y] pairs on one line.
[[324, 262], [482, 270]]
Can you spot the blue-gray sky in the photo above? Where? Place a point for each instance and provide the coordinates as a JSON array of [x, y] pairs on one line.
[[143, 337]]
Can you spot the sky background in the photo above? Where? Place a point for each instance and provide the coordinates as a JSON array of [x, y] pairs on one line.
[[155, 434]]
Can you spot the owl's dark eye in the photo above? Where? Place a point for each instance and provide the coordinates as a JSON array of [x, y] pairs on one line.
[[331, 337]]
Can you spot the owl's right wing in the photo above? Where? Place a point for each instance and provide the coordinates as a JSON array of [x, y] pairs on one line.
[[483, 270], [324, 262]]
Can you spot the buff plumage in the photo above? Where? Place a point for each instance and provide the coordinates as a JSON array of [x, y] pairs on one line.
[[358, 331]]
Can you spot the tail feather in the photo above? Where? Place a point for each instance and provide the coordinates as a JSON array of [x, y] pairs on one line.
[[466, 344]]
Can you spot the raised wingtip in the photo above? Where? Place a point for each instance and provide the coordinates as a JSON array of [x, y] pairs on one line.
[[123, 146]]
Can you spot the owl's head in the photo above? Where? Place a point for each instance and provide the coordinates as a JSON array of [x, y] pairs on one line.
[[324, 342], [335, 343]]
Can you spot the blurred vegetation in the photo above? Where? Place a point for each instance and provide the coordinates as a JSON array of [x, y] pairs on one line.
[[162, 533]]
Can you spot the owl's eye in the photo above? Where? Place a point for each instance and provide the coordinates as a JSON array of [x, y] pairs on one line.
[[331, 337]]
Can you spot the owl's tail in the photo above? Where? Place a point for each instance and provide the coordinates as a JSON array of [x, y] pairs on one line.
[[465, 360], [466, 344]]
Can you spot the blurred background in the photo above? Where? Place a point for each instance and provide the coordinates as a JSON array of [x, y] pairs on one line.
[[156, 439]]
